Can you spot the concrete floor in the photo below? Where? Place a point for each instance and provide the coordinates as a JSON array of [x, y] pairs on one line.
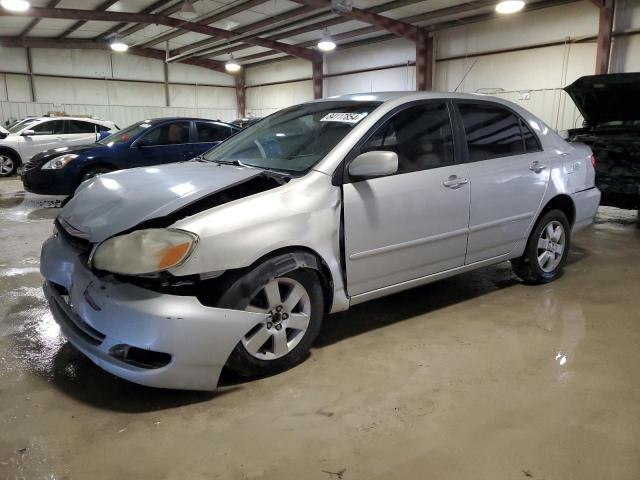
[[475, 377]]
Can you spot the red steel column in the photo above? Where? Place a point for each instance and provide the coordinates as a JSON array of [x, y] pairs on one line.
[[605, 29], [424, 61], [316, 65], [240, 93]]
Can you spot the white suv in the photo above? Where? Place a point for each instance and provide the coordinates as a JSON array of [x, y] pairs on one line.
[[31, 137]]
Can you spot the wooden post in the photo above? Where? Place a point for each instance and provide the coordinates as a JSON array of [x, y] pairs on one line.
[[240, 93], [424, 61]]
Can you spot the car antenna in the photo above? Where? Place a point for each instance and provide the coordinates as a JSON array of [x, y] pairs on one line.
[[465, 75]]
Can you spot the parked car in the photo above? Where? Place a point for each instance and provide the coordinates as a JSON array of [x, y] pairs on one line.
[[245, 122], [163, 276], [610, 106], [143, 144], [30, 137]]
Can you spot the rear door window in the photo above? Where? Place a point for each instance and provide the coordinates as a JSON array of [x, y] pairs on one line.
[[79, 126], [491, 131], [212, 132]]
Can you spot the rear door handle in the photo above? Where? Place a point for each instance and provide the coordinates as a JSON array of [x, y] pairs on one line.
[[537, 167], [454, 182]]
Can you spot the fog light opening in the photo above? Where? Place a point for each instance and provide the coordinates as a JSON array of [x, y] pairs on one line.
[[139, 357]]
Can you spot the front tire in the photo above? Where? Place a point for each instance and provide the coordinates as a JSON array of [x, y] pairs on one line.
[[293, 308], [8, 164], [547, 249]]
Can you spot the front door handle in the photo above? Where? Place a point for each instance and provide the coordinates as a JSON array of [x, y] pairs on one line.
[[537, 167], [59, 139], [455, 182]]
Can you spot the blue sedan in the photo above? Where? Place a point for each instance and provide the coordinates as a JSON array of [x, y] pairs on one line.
[[150, 142]]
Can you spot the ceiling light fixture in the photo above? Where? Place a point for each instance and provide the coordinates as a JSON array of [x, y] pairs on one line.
[[117, 45], [188, 12], [231, 65], [326, 43], [15, 5], [509, 6]]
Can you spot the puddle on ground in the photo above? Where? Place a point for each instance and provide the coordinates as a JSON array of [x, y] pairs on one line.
[[23, 206]]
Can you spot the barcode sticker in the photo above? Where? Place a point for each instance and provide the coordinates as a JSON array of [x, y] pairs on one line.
[[343, 117]]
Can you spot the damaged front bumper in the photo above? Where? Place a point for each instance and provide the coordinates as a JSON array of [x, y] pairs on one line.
[[146, 337]]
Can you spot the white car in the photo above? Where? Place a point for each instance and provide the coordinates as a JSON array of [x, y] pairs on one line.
[[26, 139]]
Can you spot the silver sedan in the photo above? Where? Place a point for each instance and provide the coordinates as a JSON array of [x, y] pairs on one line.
[[164, 275]]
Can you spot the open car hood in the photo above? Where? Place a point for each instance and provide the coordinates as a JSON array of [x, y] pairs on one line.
[[607, 98], [115, 202]]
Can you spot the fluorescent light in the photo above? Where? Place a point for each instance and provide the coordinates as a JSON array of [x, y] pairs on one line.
[[232, 65], [187, 11], [118, 45], [15, 5], [509, 6], [326, 43]]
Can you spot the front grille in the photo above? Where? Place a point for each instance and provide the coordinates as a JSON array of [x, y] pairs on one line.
[[81, 244], [34, 163]]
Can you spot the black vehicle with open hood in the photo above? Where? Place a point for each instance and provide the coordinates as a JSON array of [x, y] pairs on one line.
[[610, 106]]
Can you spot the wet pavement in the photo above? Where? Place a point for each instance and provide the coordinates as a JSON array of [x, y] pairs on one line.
[[475, 377]]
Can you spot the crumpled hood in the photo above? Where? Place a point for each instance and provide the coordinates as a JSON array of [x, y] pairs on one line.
[[114, 202], [607, 98]]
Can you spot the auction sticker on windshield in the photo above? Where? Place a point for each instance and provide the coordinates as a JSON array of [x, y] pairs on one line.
[[343, 117]]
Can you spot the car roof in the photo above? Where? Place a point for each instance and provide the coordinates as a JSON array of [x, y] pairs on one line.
[[164, 119], [388, 96]]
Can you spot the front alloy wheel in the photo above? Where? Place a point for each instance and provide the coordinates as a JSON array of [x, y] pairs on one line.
[[287, 308], [7, 165]]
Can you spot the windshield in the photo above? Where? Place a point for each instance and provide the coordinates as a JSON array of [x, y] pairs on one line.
[[22, 124], [124, 136], [294, 139]]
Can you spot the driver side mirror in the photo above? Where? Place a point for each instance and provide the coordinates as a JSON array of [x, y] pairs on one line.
[[28, 133], [374, 164]]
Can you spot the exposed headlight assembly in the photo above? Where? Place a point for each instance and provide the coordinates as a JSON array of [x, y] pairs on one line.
[[59, 162], [144, 251]]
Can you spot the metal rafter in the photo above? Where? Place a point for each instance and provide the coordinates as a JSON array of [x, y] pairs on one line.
[[77, 25], [208, 20], [314, 26], [160, 6], [399, 28], [78, 43], [74, 14], [36, 21]]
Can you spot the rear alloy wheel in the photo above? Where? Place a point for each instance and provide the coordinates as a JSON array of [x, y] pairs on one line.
[[292, 305], [8, 164], [547, 249]]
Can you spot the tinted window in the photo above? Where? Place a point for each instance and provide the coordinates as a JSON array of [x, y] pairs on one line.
[[173, 133], [52, 127], [491, 131], [78, 126], [420, 135], [531, 142], [102, 128], [210, 132]]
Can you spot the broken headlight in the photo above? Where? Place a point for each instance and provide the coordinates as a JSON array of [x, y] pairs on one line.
[[144, 251]]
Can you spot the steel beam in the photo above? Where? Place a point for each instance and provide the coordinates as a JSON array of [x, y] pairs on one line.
[[424, 61], [605, 29], [74, 14], [159, 5], [36, 21], [31, 42], [241, 92], [316, 65], [32, 85], [77, 25], [396, 27]]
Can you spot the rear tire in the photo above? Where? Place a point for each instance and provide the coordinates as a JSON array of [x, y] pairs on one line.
[[293, 307], [547, 249], [8, 164]]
